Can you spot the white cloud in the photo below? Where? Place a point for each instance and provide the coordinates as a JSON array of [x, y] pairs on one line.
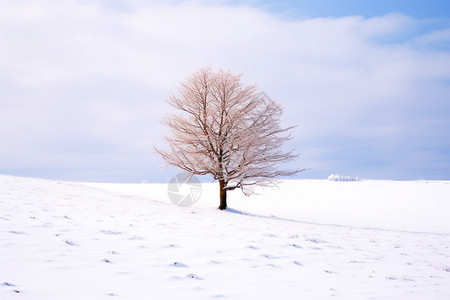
[[435, 37], [83, 70]]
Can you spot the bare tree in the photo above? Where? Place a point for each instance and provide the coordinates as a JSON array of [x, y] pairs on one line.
[[227, 130]]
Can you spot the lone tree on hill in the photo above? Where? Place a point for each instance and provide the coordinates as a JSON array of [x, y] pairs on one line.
[[228, 130]]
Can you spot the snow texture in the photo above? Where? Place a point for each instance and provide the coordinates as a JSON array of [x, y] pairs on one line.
[[62, 240]]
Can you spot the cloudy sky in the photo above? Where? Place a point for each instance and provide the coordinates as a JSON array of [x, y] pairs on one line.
[[83, 83]]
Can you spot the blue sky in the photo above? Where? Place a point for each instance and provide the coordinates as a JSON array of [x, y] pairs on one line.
[[342, 8], [83, 83]]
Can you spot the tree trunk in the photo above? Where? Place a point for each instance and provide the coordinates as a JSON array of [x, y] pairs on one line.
[[223, 195]]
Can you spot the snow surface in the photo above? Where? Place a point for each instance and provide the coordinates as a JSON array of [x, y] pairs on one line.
[[309, 239]]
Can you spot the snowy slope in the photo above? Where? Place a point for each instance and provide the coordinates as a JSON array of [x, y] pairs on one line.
[[417, 206], [61, 240]]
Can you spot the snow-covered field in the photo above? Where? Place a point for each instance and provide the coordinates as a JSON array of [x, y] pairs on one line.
[[309, 239]]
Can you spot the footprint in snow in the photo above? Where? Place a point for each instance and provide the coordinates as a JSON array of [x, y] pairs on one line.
[[296, 246], [107, 261], [298, 263], [193, 276], [171, 246], [17, 232], [7, 284], [179, 265], [270, 235], [315, 241], [407, 279], [70, 243]]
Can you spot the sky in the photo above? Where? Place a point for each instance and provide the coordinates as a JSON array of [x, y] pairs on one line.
[[83, 84]]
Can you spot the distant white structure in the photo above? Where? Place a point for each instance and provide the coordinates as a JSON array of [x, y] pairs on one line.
[[337, 177]]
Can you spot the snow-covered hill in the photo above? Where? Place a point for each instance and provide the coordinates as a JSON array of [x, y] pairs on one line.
[[309, 239]]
